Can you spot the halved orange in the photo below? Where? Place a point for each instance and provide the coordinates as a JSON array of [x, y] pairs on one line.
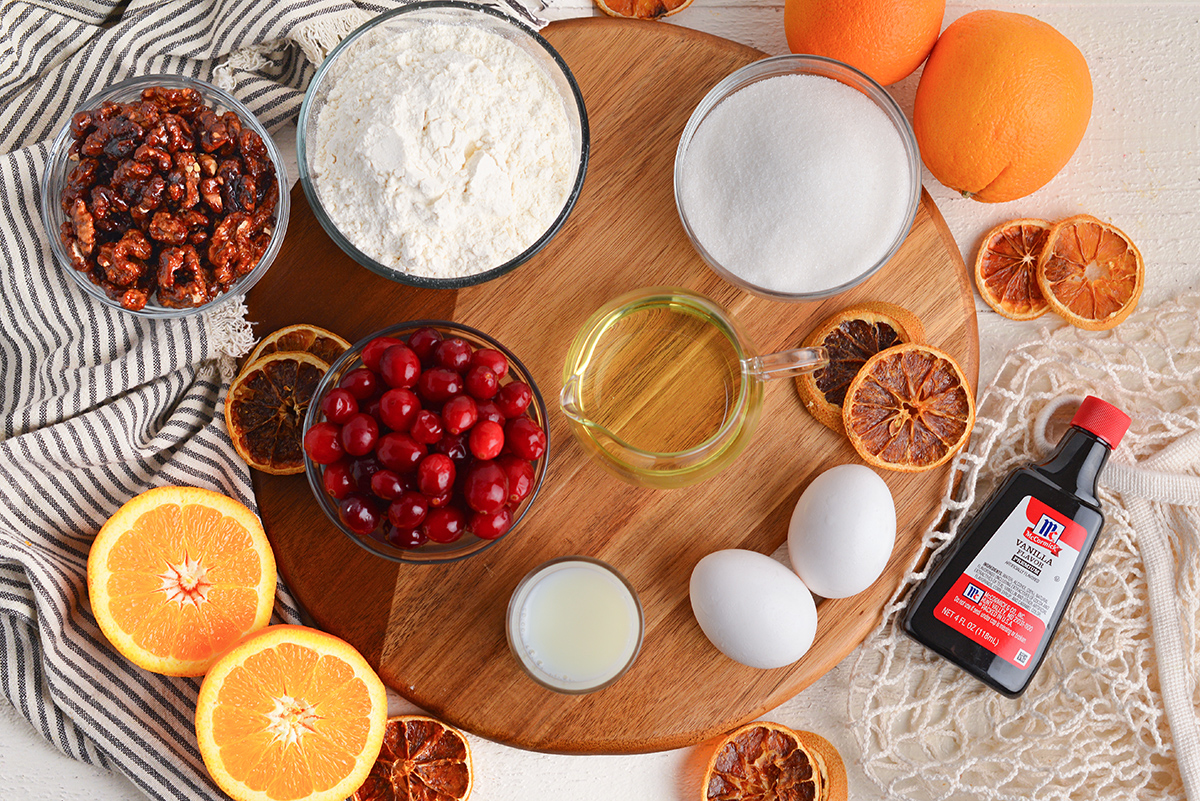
[[851, 336], [177, 576], [642, 9], [1090, 272], [290, 713], [1006, 268], [325, 345], [265, 408], [764, 760], [910, 409], [422, 759]]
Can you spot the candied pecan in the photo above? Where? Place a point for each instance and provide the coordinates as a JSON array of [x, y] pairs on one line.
[[81, 226], [210, 190], [179, 133], [151, 198], [82, 123], [124, 261], [115, 138], [212, 132], [135, 298], [181, 280], [78, 260], [79, 180], [106, 202], [154, 156], [208, 165], [144, 114], [254, 152], [183, 101], [189, 170], [167, 228], [130, 172]]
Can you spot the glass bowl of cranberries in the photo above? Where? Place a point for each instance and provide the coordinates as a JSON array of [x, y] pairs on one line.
[[426, 442]]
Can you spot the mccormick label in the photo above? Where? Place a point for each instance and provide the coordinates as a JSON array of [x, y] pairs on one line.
[[1008, 592]]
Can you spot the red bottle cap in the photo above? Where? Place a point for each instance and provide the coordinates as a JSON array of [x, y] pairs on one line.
[[1102, 419]]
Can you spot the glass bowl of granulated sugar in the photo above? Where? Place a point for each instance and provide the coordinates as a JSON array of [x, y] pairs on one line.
[[797, 177], [442, 144]]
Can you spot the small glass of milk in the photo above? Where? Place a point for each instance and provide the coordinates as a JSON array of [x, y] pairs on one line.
[[575, 624]]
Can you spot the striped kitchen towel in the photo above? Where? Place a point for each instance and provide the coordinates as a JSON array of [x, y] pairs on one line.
[[98, 405]]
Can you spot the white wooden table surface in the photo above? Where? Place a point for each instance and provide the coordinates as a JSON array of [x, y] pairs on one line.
[[1138, 167]]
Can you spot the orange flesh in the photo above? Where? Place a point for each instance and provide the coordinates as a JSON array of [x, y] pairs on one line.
[[184, 581], [290, 722], [1008, 269]]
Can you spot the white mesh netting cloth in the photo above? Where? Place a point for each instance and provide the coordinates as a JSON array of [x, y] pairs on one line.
[[1112, 712]]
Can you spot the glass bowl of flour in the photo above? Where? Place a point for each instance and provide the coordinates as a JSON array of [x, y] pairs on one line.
[[797, 177], [442, 144]]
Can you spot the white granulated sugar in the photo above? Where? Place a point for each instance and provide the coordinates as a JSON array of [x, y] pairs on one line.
[[442, 151], [796, 183]]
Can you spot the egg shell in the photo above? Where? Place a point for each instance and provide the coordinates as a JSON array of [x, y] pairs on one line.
[[842, 531], [752, 608]]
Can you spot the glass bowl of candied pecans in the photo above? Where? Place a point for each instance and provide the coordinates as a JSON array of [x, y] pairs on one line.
[[164, 196]]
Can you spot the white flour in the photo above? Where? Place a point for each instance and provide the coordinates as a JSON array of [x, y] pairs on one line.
[[442, 151]]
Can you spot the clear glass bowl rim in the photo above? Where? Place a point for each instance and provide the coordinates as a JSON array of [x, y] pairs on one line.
[[313, 471], [314, 200], [799, 64], [56, 169], [513, 637]]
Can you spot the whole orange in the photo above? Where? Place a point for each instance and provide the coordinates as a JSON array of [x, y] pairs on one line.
[[887, 39], [1002, 105]]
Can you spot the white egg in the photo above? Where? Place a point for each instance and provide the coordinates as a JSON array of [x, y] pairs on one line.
[[842, 531], [752, 608]]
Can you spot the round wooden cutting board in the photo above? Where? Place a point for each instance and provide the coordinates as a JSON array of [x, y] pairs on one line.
[[436, 633]]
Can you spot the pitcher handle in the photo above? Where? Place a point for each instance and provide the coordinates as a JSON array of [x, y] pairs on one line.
[[786, 363]]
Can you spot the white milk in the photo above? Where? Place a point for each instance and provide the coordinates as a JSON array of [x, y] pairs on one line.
[[574, 625]]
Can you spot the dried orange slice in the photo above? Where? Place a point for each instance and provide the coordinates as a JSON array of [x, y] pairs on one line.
[[290, 713], [1006, 268], [265, 408], [642, 9], [422, 759], [765, 760], [325, 345], [177, 576], [1090, 273], [851, 336], [910, 408]]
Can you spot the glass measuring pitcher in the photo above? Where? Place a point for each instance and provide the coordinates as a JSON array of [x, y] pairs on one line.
[[663, 389]]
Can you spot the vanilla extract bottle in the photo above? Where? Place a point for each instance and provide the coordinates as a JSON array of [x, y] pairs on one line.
[[993, 603]]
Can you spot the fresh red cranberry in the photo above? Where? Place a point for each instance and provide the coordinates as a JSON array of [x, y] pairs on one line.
[[360, 434], [400, 452], [435, 474], [454, 446], [360, 382], [513, 399], [338, 480], [323, 443], [454, 353], [459, 414], [339, 405], [486, 487], [525, 437], [492, 359], [426, 427], [408, 510], [363, 469], [388, 485], [375, 349], [405, 537], [398, 408], [481, 383], [423, 341], [445, 524], [487, 410], [399, 366], [371, 407], [438, 501], [491, 525], [439, 384], [520, 477], [359, 513], [486, 439]]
